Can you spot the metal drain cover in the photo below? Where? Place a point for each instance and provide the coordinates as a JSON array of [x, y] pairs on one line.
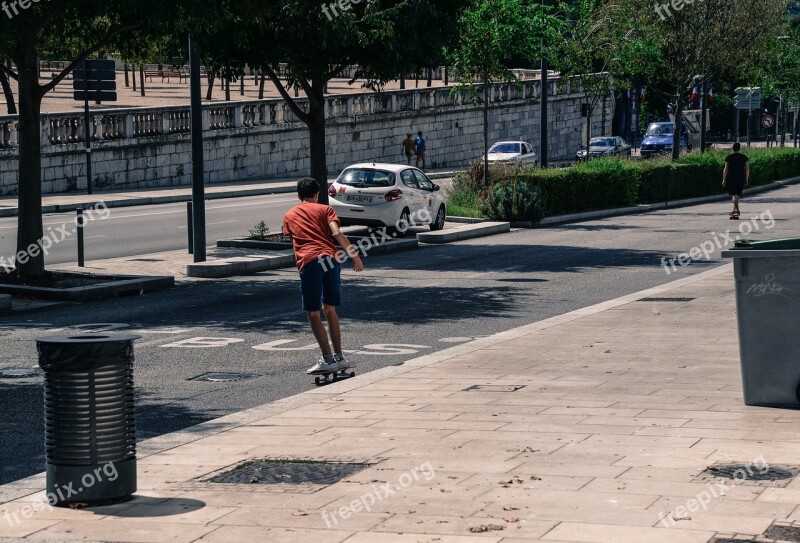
[[221, 377], [20, 373], [277, 472], [494, 388], [146, 260], [783, 533], [677, 299], [745, 472]]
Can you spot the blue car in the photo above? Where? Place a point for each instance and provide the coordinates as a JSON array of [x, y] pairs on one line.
[[658, 139]]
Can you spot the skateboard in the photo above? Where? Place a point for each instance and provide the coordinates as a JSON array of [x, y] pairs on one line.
[[321, 379], [734, 217]]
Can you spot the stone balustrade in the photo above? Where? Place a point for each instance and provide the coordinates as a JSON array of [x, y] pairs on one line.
[[60, 129]]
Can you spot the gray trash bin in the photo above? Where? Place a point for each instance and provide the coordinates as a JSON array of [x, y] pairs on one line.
[[90, 431], [767, 275]]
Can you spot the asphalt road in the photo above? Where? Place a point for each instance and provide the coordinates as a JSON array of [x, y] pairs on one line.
[[404, 305], [128, 231]]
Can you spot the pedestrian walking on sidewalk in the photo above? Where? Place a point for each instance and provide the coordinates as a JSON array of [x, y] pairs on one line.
[[422, 149], [736, 176], [409, 148], [313, 229]]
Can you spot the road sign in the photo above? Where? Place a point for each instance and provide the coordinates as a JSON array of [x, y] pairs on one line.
[[747, 98], [97, 96], [98, 78], [767, 121]]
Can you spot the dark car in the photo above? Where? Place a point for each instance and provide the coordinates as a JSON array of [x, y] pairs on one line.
[[658, 139], [603, 147]]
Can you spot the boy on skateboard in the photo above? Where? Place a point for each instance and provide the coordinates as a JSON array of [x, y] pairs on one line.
[[313, 227], [736, 176]]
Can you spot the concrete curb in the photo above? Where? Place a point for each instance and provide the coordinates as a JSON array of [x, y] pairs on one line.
[[242, 265], [645, 208], [112, 289], [247, 265], [468, 231]]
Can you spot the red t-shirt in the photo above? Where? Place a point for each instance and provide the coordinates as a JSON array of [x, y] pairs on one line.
[[308, 224]]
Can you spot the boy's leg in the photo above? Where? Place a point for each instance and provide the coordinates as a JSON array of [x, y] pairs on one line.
[[311, 278], [736, 204], [334, 327], [318, 328]]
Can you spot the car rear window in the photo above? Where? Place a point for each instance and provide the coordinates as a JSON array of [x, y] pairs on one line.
[[505, 148], [366, 178]]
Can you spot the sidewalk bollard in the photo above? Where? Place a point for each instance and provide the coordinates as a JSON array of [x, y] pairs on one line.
[[90, 431], [80, 222]]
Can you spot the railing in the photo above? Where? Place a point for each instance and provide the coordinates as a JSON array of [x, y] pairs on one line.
[[107, 125]]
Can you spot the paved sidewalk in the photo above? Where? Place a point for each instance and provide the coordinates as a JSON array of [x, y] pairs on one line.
[[624, 405]]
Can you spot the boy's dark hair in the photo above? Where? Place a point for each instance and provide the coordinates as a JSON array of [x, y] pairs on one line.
[[420, 132], [307, 187], [737, 146]]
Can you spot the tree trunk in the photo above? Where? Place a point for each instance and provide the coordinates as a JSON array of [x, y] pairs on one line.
[[676, 135], [10, 103], [29, 183], [210, 90], [141, 78], [486, 130], [316, 131], [588, 127], [127, 77], [227, 90], [133, 74], [261, 86]]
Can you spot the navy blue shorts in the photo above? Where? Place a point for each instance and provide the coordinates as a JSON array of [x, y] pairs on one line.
[[320, 285]]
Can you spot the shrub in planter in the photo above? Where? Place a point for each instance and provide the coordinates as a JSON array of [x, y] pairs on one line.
[[513, 200]]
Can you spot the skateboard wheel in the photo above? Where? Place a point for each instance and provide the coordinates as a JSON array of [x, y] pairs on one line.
[[316, 380], [352, 374]]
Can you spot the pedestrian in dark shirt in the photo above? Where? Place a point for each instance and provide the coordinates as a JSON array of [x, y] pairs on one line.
[[736, 176]]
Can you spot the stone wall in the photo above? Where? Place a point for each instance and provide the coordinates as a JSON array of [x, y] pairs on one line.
[[150, 147]]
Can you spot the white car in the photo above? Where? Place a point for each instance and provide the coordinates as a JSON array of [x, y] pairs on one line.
[[387, 195], [512, 152]]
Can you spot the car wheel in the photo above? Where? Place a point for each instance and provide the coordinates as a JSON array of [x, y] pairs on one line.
[[438, 222], [400, 229]]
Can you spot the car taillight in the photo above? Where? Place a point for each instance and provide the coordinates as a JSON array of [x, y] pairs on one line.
[[332, 192], [393, 195]]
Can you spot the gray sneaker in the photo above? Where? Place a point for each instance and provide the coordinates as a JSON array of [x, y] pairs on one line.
[[322, 367], [343, 362]]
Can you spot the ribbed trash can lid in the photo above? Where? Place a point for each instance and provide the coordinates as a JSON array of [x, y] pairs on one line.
[[79, 339], [84, 352]]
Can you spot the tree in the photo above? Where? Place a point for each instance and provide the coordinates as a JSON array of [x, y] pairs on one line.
[[490, 33], [713, 39], [306, 43], [75, 29], [585, 51]]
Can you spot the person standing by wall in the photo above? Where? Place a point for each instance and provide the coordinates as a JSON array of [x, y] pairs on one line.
[[409, 148], [422, 149]]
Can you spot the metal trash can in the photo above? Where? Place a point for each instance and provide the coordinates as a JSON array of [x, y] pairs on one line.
[[767, 275], [90, 430]]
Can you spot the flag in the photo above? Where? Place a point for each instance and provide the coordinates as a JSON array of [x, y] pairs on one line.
[[695, 94], [629, 97], [641, 93], [710, 94]]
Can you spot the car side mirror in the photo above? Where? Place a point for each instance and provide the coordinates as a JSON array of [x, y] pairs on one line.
[[436, 188]]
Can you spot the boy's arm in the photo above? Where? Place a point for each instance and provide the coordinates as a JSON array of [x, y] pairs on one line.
[[747, 173], [345, 243], [725, 175]]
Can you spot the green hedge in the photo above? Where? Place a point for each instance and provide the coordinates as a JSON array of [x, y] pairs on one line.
[[613, 183]]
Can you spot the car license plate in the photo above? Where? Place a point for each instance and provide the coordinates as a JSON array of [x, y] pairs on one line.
[[361, 199]]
